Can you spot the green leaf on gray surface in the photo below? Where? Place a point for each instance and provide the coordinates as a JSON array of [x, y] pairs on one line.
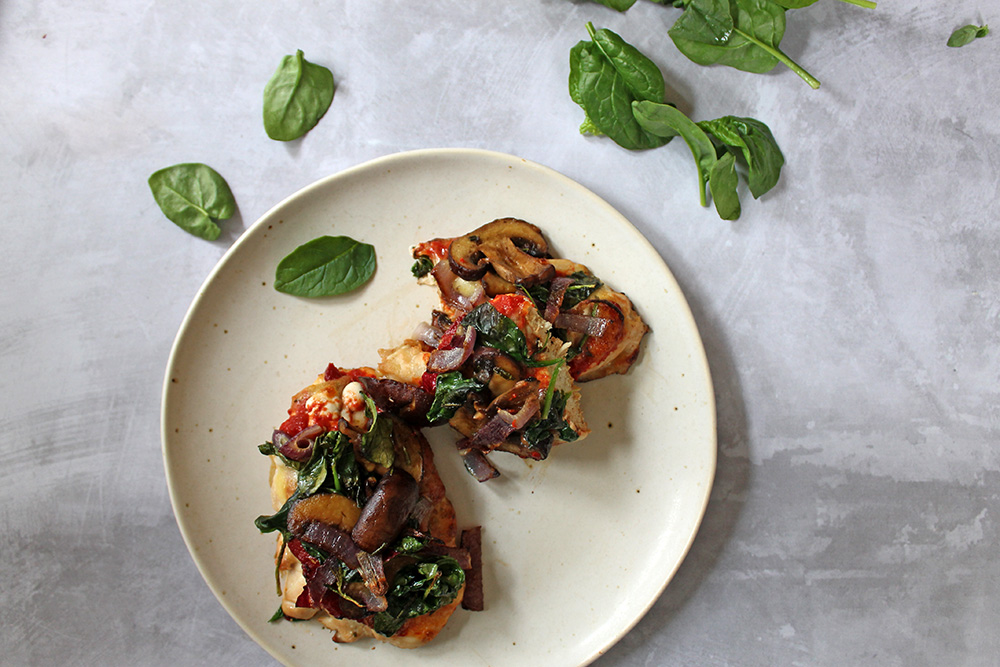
[[665, 120], [606, 76], [722, 182], [753, 143], [967, 34], [296, 97], [743, 34], [193, 196]]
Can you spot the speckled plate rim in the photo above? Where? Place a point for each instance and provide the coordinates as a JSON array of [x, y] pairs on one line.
[[709, 436]]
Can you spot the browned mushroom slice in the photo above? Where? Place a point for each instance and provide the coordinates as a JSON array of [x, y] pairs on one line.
[[515, 249], [494, 285]]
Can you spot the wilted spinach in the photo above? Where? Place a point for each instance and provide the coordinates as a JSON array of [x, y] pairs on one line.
[[192, 196], [332, 468], [296, 97], [966, 34], [376, 443], [417, 589], [422, 266], [325, 266], [540, 434], [497, 330], [450, 392], [583, 285]]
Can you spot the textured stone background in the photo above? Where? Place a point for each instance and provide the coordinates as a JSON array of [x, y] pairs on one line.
[[850, 316]]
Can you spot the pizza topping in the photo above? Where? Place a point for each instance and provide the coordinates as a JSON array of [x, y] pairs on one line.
[[476, 463], [300, 446], [472, 542], [514, 249], [384, 514], [331, 509], [447, 359]]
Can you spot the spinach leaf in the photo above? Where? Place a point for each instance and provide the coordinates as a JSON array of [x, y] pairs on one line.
[[665, 119], [345, 475], [277, 616], [966, 34], [325, 266], [499, 331], [756, 146], [191, 195], [422, 266], [541, 433], [450, 392], [583, 286], [419, 588], [296, 97], [606, 76], [722, 182], [377, 444], [619, 5], [409, 544], [277, 521], [744, 34], [640, 74]]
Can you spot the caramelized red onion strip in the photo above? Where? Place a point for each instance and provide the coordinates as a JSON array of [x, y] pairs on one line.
[[299, 447], [428, 334], [585, 324], [557, 291], [334, 541], [442, 361], [492, 432], [446, 278], [479, 466], [372, 571]]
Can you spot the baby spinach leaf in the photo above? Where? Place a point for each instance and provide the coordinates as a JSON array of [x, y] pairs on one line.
[[191, 195], [665, 119], [744, 34], [755, 145], [277, 521], [966, 34], [639, 73], [540, 434], [450, 392], [722, 182], [325, 266], [376, 444], [421, 266], [499, 331], [606, 76], [619, 5], [296, 97]]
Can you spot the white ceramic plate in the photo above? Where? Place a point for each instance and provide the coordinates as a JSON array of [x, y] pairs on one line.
[[577, 547]]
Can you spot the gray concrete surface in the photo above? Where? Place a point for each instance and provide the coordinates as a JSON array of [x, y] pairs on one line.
[[850, 316]]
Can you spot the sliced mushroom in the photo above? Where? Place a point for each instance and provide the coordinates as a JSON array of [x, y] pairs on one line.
[[515, 249], [499, 371], [494, 285], [386, 511], [328, 508]]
